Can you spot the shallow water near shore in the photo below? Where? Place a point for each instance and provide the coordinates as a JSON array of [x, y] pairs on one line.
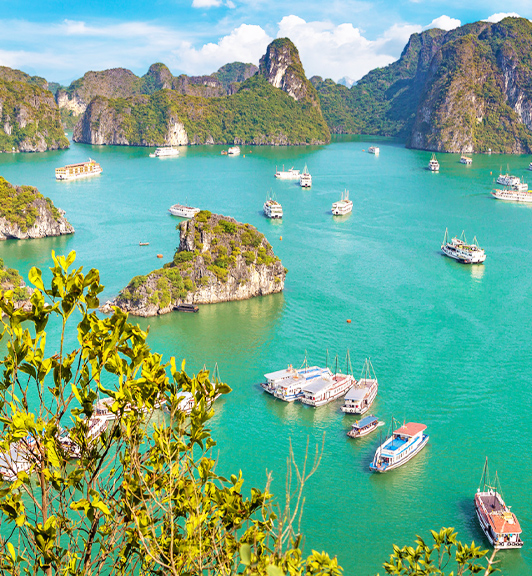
[[450, 344]]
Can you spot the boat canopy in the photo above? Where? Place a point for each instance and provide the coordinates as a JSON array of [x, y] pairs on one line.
[[366, 421], [356, 394], [318, 385], [410, 429], [280, 374]]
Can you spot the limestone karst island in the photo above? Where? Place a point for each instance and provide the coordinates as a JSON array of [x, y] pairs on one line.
[[264, 288]]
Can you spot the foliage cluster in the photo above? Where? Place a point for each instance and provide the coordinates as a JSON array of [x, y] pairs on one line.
[[10, 279], [18, 204]]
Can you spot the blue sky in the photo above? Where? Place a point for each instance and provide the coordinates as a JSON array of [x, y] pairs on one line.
[[336, 38]]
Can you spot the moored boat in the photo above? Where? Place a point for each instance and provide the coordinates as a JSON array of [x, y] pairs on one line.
[[530, 166], [374, 150], [183, 211], [325, 389], [343, 206], [361, 396], [459, 249], [363, 427], [286, 384], [516, 193], [466, 160], [291, 174], [79, 170], [272, 208], [507, 179], [404, 443], [498, 522], [164, 152], [233, 151], [305, 179], [434, 165]]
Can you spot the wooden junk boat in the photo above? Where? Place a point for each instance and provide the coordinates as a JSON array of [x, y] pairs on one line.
[[498, 523]]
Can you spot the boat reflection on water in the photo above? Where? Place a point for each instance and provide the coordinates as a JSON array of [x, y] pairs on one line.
[[477, 272]]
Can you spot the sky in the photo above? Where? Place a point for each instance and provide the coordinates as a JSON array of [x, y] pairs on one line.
[[336, 38]]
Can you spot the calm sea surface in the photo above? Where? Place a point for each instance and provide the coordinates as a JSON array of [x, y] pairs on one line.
[[451, 344]]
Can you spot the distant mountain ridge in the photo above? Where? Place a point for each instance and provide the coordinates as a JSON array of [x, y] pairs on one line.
[[277, 105], [466, 90]]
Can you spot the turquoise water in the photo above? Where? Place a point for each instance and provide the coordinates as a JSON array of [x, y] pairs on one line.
[[450, 344]]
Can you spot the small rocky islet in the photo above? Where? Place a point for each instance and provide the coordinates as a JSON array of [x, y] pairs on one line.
[[218, 260], [25, 214]]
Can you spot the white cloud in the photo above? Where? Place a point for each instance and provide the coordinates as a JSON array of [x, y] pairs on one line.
[[247, 43], [337, 51], [500, 16], [206, 3], [444, 23]]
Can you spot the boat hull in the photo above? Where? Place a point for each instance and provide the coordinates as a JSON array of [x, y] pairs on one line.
[[78, 176]]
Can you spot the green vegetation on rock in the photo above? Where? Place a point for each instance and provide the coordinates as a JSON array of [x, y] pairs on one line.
[[17, 204], [216, 253], [468, 89], [10, 279]]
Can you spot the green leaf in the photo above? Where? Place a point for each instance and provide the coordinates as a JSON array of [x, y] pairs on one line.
[[245, 554], [273, 570]]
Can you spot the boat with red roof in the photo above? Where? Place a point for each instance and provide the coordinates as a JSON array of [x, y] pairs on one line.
[[497, 521], [404, 443]]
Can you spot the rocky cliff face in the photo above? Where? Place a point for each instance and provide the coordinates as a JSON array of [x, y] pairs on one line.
[[29, 118], [477, 94], [282, 68], [218, 259], [466, 90], [108, 122], [25, 213]]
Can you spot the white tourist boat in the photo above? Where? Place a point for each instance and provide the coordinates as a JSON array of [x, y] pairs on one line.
[[466, 160], [79, 170], [400, 447], [272, 208], [233, 151], [343, 206], [287, 384], [164, 152], [374, 150], [434, 165], [291, 174], [183, 211], [364, 426], [361, 396], [508, 179], [326, 388], [305, 179], [459, 249], [498, 522], [516, 193], [530, 166]]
